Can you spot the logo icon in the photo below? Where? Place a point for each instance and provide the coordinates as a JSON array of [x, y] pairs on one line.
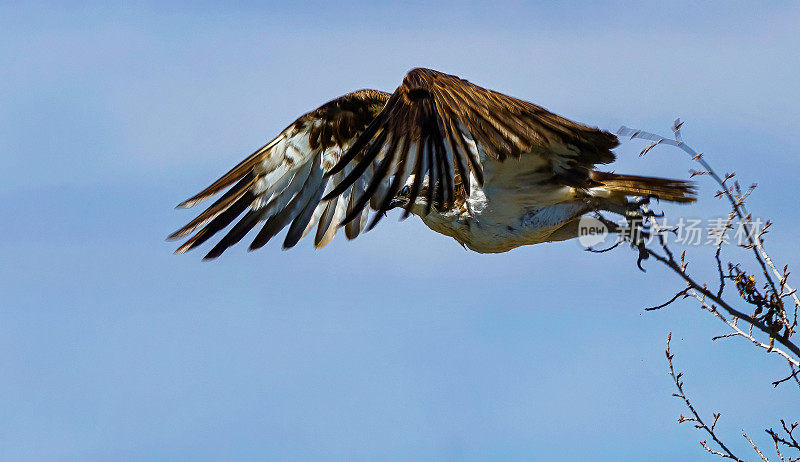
[[591, 231]]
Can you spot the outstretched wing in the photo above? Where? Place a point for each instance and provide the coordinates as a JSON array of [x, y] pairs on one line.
[[440, 129], [283, 182]]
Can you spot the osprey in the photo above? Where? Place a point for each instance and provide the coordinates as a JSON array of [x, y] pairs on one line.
[[491, 171]]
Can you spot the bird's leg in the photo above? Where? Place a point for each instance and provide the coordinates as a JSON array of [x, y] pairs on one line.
[[636, 231], [632, 211], [640, 228], [636, 207]]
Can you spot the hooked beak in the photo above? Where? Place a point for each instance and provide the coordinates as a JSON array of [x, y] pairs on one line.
[[397, 202]]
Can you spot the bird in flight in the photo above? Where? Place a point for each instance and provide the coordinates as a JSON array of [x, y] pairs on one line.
[[489, 170]]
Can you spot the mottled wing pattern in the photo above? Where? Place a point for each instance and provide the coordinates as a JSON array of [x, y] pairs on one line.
[[282, 183], [440, 128]]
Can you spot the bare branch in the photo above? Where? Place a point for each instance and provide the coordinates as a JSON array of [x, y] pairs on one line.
[[724, 451], [736, 199], [680, 294], [772, 298], [772, 316], [791, 376], [755, 448]]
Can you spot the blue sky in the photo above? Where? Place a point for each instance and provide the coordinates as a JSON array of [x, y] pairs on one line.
[[398, 345]]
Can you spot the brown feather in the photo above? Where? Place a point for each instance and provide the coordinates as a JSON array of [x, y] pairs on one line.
[[434, 109], [235, 174], [335, 124], [219, 222], [352, 228], [217, 207], [301, 220], [437, 116], [325, 223], [632, 185], [239, 231]]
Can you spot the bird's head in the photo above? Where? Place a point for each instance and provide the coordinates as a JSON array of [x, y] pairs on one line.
[[450, 220], [404, 196]]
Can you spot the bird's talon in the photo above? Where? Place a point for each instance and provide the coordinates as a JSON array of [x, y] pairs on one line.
[[644, 254]]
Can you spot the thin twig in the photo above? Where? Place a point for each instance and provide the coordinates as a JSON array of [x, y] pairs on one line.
[[682, 293], [791, 376], [755, 448], [700, 424], [770, 315], [733, 311], [737, 205]]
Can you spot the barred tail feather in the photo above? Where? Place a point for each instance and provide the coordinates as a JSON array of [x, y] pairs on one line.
[[632, 185]]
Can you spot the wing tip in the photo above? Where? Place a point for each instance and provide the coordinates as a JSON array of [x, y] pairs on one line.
[[181, 233], [214, 253], [290, 241], [194, 200], [255, 246]]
